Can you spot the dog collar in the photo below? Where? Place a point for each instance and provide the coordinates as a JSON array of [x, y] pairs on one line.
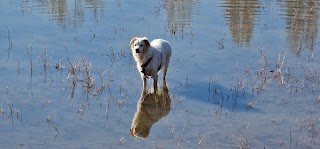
[[143, 66], [146, 63]]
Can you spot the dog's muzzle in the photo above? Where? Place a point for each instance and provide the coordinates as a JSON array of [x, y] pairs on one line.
[[137, 51]]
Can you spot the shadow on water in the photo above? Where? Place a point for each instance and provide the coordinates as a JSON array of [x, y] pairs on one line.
[[236, 98], [150, 108]]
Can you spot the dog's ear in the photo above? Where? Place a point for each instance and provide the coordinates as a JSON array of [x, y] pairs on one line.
[[132, 41], [146, 41]]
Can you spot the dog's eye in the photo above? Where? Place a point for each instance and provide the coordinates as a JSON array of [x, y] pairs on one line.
[[140, 45]]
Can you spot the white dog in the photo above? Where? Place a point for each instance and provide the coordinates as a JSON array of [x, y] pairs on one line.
[[151, 57]]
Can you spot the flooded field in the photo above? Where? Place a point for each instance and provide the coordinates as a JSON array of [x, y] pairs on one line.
[[243, 74]]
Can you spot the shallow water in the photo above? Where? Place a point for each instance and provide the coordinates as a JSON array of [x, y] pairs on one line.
[[242, 74]]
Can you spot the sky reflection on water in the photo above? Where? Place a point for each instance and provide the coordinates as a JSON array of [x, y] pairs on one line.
[[243, 73]]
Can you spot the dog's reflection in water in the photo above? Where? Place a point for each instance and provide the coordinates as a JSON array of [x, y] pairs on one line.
[[150, 108]]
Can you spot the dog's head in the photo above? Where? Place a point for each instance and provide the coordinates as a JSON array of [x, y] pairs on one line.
[[139, 45]]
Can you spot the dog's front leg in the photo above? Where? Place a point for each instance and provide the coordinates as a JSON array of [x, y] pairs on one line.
[[144, 79], [155, 83]]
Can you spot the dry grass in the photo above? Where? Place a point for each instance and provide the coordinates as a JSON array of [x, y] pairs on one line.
[[88, 81]]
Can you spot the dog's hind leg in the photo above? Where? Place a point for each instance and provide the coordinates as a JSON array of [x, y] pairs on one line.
[[164, 68]]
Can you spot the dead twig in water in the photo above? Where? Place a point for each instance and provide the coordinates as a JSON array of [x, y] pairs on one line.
[[10, 44], [49, 120], [94, 35], [31, 70]]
